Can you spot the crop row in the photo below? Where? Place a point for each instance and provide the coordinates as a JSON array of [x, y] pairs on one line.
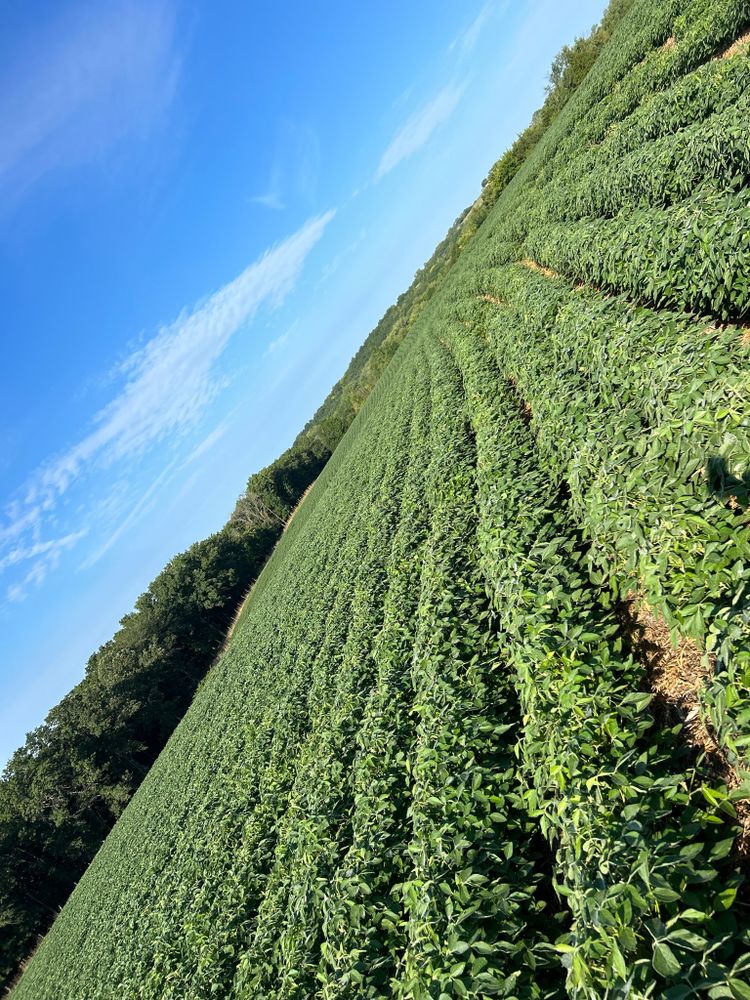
[[665, 171], [692, 256], [245, 747], [640, 414], [657, 45], [429, 764], [636, 842]]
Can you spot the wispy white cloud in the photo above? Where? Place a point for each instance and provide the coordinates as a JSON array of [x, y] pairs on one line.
[[137, 509], [210, 440], [272, 199], [171, 380], [50, 548], [167, 385], [90, 76], [278, 342], [295, 168], [20, 519], [338, 259], [45, 556], [465, 43], [419, 128]]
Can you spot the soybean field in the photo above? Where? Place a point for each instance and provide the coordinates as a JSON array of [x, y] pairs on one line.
[[482, 729]]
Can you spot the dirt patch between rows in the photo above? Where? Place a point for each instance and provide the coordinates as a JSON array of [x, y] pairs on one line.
[[539, 268], [736, 47], [744, 329], [676, 676], [486, 297]]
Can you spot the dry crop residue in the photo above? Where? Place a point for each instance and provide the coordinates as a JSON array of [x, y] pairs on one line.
[[676, 675], [736, 47], [533, 266], [486, 297]]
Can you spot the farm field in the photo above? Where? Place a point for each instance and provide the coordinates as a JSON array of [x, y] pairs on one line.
[[482, 728]]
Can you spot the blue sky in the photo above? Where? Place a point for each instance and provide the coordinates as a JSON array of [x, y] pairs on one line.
[[204, 209]]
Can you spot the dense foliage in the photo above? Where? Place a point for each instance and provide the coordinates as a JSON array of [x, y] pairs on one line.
[[569, 69], [434, 760], [66, 787], [62, 791]]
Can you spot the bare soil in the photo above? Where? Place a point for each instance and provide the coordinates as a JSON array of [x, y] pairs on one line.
[[676, 675], [533, 266], [486, 297], [736, 47]]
